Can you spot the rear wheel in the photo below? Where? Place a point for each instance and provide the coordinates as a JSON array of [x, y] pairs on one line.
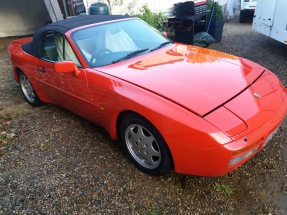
[[145, 146], [28, 90], [242, 17]]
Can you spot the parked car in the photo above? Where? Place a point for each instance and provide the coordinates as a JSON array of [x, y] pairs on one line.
[[200, 111], [247, 8]]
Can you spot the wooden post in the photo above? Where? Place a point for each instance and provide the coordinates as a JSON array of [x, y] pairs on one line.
[[54, 10]]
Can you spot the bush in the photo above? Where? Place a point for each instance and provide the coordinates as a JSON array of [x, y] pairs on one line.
[[156, 20], [217, 14]]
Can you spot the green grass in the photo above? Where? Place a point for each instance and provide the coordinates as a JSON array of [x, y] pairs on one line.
[[220, 187]]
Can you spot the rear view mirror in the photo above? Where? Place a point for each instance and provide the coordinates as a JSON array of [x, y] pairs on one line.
[[66, 66]]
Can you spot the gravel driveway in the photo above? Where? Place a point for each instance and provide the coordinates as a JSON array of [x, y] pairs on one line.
[[54, 162]]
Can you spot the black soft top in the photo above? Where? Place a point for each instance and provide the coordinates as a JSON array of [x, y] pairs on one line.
[[33, 47]]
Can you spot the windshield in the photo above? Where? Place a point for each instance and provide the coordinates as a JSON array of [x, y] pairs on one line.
[[114, 42]]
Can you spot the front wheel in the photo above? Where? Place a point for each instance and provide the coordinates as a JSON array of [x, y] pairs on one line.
[[145, 145], [28, 90]]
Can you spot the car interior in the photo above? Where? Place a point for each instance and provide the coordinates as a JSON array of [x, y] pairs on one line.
[[54, 49], [110, 40]]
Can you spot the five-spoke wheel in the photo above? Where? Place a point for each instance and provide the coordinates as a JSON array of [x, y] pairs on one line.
[[145, 146], [28, 90]]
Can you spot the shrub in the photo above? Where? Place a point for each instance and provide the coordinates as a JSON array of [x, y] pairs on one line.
[[157, 20], [217, 14]]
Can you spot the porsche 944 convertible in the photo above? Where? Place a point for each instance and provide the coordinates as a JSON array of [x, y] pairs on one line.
[[199, 111]]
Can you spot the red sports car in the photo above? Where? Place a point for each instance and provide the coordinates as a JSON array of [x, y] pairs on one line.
[[199, 111]]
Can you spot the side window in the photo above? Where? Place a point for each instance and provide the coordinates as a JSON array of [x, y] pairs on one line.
[[49, 50], [57, 48]]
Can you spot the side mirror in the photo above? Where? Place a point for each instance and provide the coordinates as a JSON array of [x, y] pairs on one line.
[[66, 66]]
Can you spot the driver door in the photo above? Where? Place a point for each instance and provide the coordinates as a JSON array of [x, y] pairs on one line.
[[63, 89]]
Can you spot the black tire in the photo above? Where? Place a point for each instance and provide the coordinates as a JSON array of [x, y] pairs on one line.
[[242, 17], [145, 145], [28, 91]]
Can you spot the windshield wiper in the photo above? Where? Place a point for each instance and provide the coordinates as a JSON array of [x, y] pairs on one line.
[[160, 46], [129, 55]]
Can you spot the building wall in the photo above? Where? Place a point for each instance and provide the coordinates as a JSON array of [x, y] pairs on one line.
[[22, 17], [165, 6]]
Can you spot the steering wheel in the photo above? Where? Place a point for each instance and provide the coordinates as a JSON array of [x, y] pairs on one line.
[[96, 53]]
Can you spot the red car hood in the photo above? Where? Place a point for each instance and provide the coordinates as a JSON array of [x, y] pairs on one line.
[[196, 78]]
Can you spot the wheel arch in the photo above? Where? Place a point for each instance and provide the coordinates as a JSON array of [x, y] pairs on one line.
[[122, 115], [180, 128], [119, 120], [16, 72], [127, 113]]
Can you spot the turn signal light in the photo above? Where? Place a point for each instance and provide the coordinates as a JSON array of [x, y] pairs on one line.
[[242, 157]]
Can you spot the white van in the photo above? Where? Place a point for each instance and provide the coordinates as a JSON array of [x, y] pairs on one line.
[[247, 8], [270, 19]]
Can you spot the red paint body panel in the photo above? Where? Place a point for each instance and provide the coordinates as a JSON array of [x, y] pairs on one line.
[[201, 101], [216, 160], [234, 125], [256, 111], [183, 75]]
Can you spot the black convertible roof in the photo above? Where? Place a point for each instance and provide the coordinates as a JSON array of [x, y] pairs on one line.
[[65, 25]]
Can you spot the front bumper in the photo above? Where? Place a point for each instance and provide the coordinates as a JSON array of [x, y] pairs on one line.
[[190, 159]]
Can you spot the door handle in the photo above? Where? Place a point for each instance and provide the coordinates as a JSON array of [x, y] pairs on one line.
[[41, 70]]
